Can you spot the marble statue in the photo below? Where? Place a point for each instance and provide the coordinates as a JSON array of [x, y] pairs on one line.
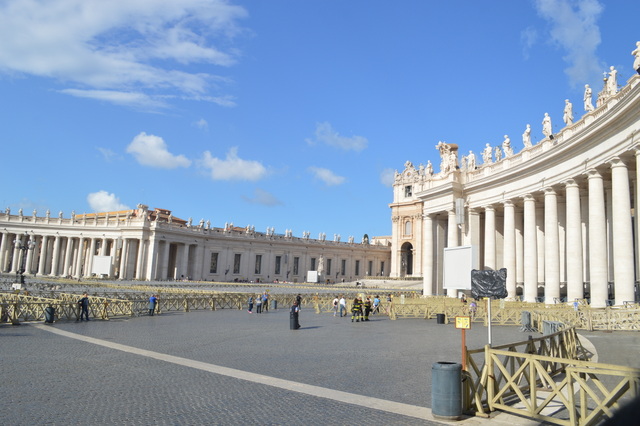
[[506, 147], [612, 82], [568, 112], [636, 54], [487, 154], [170, 218], [429, 169], [189, 222], [60, 214], [463, 160], [20, 212], [526, 137], [7, 211], [208, 224], [448, 157], [471, 161], [546, 125], [588, 98], [498, 153], [35, 212]]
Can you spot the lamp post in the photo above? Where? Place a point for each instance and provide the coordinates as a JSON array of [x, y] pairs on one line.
[[23, 248]]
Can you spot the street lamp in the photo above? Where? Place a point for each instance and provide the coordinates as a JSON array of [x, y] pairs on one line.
[[23, 248]]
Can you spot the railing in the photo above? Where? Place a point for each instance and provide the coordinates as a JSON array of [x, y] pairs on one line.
[[547, 379]]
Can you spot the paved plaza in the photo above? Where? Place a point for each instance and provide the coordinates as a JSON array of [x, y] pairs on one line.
[[229, 367]]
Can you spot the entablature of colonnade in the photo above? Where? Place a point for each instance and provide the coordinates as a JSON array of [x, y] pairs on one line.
[[610, 133]]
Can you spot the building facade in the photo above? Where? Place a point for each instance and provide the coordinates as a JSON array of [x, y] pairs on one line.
[[560, 216], [145, 244]]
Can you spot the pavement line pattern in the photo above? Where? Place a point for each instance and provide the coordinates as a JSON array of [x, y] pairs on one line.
[[349, 398]]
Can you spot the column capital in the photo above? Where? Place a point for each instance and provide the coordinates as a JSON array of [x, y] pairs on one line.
[[489, 207], [528, 197], [571, 183], [616, 162], [548, 190], [509, 203], [593, 173]]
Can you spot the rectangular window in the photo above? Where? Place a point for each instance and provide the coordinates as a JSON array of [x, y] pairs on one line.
[[343, 267], [213, 266], [236, 263], [408, 191], [258, 269], [278, 262], [296, 262], [357, 268], [328, 266], [313, 264], [382, 268], [370, 268]]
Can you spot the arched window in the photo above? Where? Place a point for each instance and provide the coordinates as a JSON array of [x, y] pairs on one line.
[[407, 228]]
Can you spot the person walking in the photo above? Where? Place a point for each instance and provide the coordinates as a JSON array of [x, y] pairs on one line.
[[258, 304], [343, 306], [376, 305], [250, 303], [356, 309], [153, 301], [295, 315], [265, 302], [367, 308], [336, 303], [83, 304]]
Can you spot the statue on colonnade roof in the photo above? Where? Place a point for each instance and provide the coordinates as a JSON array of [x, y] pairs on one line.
[[448, 157], [636, 61]]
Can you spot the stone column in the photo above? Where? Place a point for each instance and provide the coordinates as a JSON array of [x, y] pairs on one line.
[[452, 241], [597, 240], [56, 256], [3, 250], [15, 259], [124, 252], [92, 253], [142, 245], [575, 280], [489, 238], [164, 265], [28, 267], [67, 257], [519, 245], [622, 234], [43, 255], [510, 247], [551, 247], [103, 246], [427, 255], [79, 258], [530, 250]]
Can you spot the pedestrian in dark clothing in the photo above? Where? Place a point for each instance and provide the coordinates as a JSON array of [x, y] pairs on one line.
[[83, 304], [295, 312], [259, 304], [367, 308], [250, 303], [356, 309], [153, 301], [299, 300]]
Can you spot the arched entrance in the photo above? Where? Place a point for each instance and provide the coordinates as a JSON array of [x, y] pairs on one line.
[[406, 260]]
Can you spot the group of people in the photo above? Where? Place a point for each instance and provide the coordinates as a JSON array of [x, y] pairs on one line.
[[360, 309], [261, 302]]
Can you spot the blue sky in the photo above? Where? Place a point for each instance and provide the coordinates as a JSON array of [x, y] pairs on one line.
[[282, 113]]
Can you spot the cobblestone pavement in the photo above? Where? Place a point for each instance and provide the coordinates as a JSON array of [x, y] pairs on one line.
[[230, 367]]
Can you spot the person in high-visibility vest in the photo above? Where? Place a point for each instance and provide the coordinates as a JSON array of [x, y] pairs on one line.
[[367, 308], [356, 309]]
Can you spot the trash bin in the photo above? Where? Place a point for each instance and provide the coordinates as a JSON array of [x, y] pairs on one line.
[[274, 304], [49, 314], [446, 390], [440, 318], [292, 321]]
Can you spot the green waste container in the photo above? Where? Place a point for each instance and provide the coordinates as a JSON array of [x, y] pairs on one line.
[[446, 390]]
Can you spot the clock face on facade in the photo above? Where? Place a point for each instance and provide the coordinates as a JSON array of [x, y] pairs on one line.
[[463, 322]]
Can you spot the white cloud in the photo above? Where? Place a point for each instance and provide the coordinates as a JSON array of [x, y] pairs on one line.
[[262, 197], [325, 134], [151, 150], [102, 201], [127, 46], [387, 177], [202, 124], [326, 176], [107, 154], [574, 28], [135, 100], [232, 167]]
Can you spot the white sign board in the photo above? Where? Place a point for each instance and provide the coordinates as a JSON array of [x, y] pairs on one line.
[[312, 276], [458, 263], [101, 265]]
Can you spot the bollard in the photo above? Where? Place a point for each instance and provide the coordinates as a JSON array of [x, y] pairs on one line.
[[49, 314], [446, 390], [274, 304]]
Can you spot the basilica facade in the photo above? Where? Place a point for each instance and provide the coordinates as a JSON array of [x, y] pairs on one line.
[[560, 216], [152, 244]]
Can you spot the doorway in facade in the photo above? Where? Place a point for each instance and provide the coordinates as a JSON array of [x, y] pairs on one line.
[[406, 260]]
